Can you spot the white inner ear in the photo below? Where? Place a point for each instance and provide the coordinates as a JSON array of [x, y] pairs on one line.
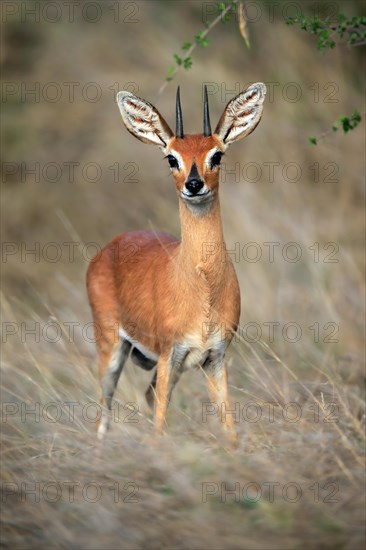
[[242, 114], [143, 120]]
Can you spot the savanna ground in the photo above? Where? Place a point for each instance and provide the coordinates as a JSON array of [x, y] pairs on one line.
[[297, 366]]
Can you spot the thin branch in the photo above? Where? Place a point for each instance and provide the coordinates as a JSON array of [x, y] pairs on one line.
[[194, 45], [329, 132]]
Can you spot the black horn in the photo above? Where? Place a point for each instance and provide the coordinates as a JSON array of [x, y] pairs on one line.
[[206, 116], [178, 117]]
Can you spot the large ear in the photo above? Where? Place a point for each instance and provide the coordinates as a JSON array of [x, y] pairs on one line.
[[241, 114], [143, 120]]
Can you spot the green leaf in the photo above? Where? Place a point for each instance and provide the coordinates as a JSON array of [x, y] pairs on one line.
[[345, 124], [314, 26], [170, 73], [187, 63], [178, 59], [349, 123], [356, 117], [186, 46], [326, 29], [201, 40], [312, 140]]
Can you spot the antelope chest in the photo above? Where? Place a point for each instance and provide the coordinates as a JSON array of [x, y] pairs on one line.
[[209, 320]]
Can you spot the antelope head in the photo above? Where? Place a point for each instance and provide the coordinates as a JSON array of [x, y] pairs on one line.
[[194, 159]]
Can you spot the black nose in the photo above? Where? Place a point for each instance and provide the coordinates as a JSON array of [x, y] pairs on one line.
[[194, 186]]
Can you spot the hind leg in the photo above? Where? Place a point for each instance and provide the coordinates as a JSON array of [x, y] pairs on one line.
[[150, 392], [111, 362]]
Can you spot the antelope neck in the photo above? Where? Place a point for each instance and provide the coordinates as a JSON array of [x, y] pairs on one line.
[[202, 238]]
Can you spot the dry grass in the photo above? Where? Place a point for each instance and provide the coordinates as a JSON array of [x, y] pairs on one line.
[[325, 379]]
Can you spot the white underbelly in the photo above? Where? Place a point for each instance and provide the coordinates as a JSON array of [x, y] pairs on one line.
[[195, 357], [145, 351], [196, 349]]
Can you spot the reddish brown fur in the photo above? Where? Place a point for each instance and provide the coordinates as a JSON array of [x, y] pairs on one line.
[[175, 302], [195, 146], [167, 289]]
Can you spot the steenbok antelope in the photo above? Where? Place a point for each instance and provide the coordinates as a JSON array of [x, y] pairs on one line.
[[170, 299]]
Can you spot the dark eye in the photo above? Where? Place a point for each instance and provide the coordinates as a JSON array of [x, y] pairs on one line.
[[173, 163], [216, 159]]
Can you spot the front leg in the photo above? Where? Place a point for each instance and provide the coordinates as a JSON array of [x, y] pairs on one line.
[[163, 369], [217, 382], [168, 372]]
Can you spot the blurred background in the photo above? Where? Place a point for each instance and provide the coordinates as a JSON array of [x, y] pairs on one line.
[[293, 215]]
